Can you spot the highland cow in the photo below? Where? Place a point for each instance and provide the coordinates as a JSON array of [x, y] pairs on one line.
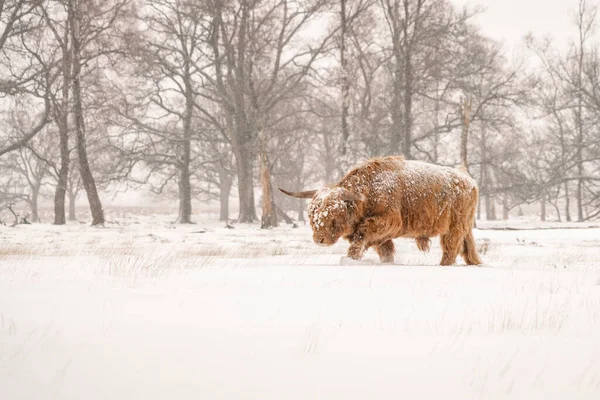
[[390, 197]]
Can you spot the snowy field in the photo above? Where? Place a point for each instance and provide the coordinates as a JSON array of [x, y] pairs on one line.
[[143, 309]]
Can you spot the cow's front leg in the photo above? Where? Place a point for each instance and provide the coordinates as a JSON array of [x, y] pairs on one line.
[[357, 246], [370, 228], [364, 234]]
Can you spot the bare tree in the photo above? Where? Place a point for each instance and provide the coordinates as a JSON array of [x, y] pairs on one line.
[[568, 107], [350, 11], [498, 92], [585, 22], [56, 21], [29, 173], [74, 186], [256, 70], [22, 78], [168, 57], [75, 16]]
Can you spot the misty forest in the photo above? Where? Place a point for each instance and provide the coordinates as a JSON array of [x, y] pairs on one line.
[[200, 101], [250, 199]]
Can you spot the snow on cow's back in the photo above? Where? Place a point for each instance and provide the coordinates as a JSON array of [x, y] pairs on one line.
[[384, 178], [423, 172], [424, 178]]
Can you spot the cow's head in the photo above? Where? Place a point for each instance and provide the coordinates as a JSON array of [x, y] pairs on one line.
[[331, 212]]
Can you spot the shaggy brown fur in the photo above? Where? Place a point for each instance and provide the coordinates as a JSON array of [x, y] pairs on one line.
[[390, 197]]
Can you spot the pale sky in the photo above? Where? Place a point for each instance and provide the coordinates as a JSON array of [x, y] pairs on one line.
[[509, 21]]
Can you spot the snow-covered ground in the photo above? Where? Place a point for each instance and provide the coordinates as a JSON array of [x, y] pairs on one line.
[[144, 309]]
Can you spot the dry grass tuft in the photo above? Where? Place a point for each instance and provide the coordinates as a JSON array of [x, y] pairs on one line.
[[17, 250]]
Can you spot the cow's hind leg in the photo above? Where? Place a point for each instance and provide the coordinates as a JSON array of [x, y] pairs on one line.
[[451, 243], [386, 251], [468, 250]]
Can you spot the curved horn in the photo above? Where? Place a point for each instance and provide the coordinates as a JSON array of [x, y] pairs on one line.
[[351, 195], [301, 195]]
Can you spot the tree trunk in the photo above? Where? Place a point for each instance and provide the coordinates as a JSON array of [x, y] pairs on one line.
[[245, 187], [409, 89], [466, 123], [35, 192], [185, 196], [397, 91], [301, 207], [269, 215], [224, 192], [185, 185], [62, 121], [242, 144], [436, 112], [224, 200], [329, 158], [543, 211], [72, 200], [490, 208], [345, 84], [567, 203], [63, 175], [505, 209], [557, 209], [436, 134], [84, 167], [579, 112], [243, 135], [407, 103], [580, 192], [494, 217]]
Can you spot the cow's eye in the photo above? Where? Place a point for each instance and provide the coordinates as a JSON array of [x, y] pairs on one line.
[[333, 225]]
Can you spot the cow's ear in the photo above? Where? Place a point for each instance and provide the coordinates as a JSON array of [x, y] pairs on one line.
[[351, 195]]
